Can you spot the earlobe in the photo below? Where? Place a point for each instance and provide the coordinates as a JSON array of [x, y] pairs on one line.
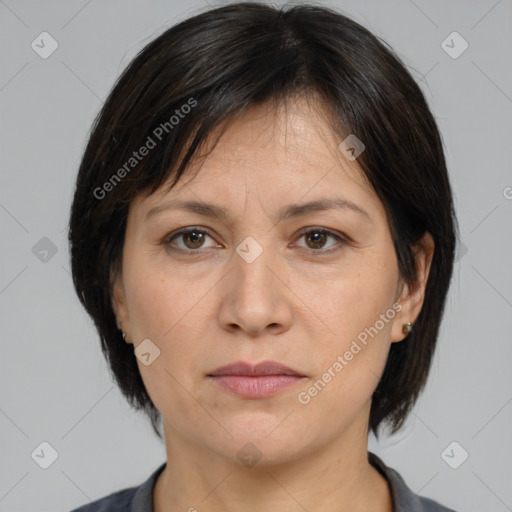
[[407, 328], [404, 320], [412, 296], [118, 302]]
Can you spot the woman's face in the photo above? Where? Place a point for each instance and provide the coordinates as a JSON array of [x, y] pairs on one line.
[[249, 286]]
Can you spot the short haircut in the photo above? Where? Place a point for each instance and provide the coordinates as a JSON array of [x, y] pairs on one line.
[[210, 68]]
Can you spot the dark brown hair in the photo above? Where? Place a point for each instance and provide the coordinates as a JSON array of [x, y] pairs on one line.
[[210, 68]]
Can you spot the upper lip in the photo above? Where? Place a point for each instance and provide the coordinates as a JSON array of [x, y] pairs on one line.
[[255, 370]]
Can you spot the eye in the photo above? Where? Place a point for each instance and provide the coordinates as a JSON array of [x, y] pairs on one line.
[[192, 238], [316, 239]]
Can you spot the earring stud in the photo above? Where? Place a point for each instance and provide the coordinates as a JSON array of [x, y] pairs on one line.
[[407, 328], [123, 334]]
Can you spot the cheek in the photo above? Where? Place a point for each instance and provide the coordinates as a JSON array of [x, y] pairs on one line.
[[158, 300], [170, 312], [358, 309], [352, 302], [165, 311]]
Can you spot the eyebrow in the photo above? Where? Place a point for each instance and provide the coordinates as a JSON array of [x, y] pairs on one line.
[[286, 212]]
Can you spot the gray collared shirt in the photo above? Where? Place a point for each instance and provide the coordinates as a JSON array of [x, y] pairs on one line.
[[140, 499]]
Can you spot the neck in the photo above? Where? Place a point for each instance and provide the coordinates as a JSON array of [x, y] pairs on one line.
[[337, 478]]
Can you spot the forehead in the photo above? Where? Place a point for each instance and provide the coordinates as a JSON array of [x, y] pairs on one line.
[[293, 135], [289, 150]]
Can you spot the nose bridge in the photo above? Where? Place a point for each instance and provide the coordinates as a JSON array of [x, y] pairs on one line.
[[252, 275], [254, 299]]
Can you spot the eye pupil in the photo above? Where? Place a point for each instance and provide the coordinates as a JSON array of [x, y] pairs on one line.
[[317, 238], [196, 238]]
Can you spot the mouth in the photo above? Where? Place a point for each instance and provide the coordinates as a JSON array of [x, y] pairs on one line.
[[251, 381]]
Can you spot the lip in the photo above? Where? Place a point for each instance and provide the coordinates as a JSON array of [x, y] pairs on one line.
[[254, 381], [255, 370]]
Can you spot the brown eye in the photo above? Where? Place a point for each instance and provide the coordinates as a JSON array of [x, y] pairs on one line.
[[316, 239], [196, 239], [191, 240]]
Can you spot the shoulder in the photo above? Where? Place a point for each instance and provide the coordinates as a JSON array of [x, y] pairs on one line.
[[131, 499], [117, 501], [428, 505], [404, 499]]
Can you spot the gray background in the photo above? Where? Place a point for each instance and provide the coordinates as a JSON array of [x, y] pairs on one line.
[[55, 386]]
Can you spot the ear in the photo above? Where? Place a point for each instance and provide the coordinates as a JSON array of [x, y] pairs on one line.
[[412, 297], [118, 300]]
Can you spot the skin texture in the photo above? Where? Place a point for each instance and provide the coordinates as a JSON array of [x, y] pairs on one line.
[[302, 308]]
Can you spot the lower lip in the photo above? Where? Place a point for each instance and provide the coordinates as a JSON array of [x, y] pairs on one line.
[[256, 387]]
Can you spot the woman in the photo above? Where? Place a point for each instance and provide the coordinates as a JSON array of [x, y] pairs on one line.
[[263, 232]]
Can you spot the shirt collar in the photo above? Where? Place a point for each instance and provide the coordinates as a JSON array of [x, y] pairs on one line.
[[404, 500], [143, 497]]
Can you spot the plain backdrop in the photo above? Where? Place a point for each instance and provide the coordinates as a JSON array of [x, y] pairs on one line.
[[55, 386]]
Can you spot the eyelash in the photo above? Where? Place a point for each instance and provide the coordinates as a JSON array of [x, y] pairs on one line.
[[342, 241]]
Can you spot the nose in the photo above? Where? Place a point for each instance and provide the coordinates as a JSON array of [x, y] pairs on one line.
[[255, 297]]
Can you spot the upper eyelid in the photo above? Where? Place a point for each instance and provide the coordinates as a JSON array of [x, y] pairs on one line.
[[183, 231]]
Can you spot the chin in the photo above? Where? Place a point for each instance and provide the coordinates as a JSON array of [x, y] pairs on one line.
[[261, 440]]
